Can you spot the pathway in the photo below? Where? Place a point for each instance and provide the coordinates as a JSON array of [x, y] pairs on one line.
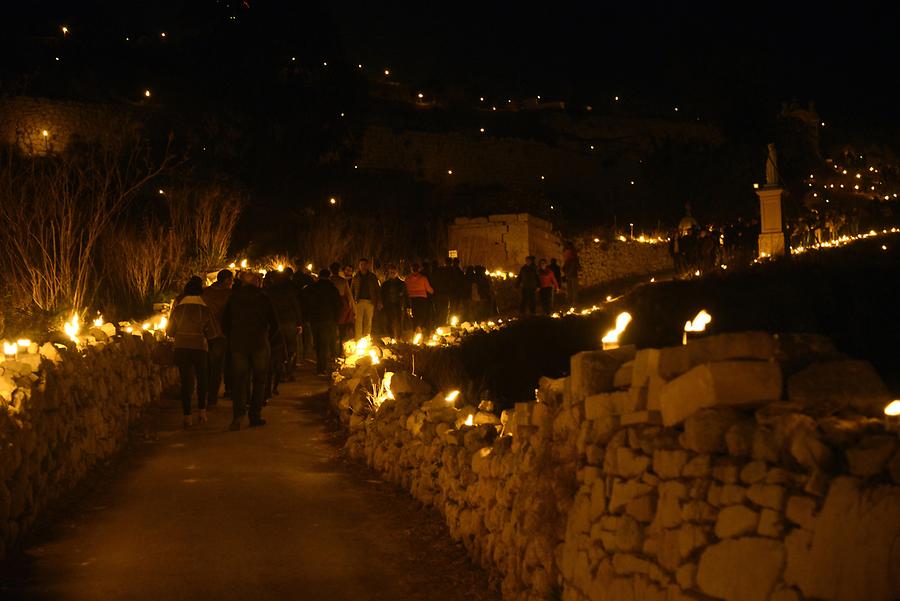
[[264, 513]]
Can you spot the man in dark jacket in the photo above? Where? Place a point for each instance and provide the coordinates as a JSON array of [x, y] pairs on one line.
[[249, 322], [529, 283], [323, 306], [216, 297], [394, 299], [443, 281], [287, 311]]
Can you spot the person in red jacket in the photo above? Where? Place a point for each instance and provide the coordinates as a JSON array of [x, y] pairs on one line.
[[548, 286], [418, 288]]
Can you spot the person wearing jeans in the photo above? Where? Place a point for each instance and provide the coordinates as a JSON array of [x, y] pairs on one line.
[[249, 322], [191, 324], [215, 297], [322, 305], [367, 295]]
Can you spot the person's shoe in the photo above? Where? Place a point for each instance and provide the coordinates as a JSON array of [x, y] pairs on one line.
[[255, 423], [187, 421], [202, 418], [235, 425]]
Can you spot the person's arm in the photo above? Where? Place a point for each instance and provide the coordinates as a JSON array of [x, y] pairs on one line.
[[428, 287], [172, 328]]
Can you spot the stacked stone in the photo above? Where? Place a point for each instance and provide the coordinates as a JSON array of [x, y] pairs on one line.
[[65, 413], [700, 478], [604, 261], [739, 467]]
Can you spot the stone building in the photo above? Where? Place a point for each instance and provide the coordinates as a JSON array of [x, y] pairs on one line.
[[503, 241]]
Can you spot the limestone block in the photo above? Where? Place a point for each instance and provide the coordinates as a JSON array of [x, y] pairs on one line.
[[636, 401], [668, 509], [733, 345], [802, 511], [870, 456], [406, 383], [771, 523], [622, 378], [668, 464], [673, 361], [630, 464], [629, 534], [698, 512], [654, 389], [646, 363], [642, 508], [704, 431], [686, 576], [623, 492], [741, 569], [767, 495], [739, 438], [837, 385], [853, 554], [690, 538], [593, 372], [698, 467], [725, 471], [728, 383], [540, 415], [598, 500], [50, 353], [641, 417], [736, 520], [598, 406], [785, 594], [626, 563], [753, 472]]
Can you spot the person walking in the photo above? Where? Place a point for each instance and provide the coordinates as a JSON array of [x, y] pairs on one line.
[[287, 312], [548, 286], [347, 316], [570, 270], [443, 281], [529, 283], [417, 290], [367, 296], [192, 324], [394, 300], [322, 303], [249, 323], [216, 297]]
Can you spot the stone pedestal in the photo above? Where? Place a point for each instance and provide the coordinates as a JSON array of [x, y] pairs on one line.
[[771, 233]]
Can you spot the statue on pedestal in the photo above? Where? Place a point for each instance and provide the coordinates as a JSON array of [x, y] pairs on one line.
[[772, 168]]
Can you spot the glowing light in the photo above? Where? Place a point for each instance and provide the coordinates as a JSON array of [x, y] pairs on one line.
[[611, 339], [892, 409], [231, 265], [387, 72], [243, 263], [72, 327], [608, 297], [309, 266], [147, 93], [417, 339], [421, 95], [65, 30], [451, 396], [162, 35], [756, 186], [99, 321], [454, 321], [162, 323], [23, 342], [10, 349], [129, 329], [481, 130], [280, 267], [698, 324], [596, 240], [145, 326], [332, 200], [161, 191], [449, 171], [45, 133], [470, 420], [373, 355]]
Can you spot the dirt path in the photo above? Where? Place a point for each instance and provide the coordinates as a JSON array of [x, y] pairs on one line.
[[264, 513]]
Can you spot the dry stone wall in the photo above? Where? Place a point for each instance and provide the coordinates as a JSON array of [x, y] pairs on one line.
[[61, 413], [728, 469], [607, 261]]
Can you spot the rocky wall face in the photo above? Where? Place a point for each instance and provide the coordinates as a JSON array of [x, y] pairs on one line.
[[730, 468], [607, 261], [62, 413]]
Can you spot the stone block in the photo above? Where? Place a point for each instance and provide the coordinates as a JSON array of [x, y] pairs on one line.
[[646, 364], [673, 361], [630, 464], [654, 389], [767, 495], [598, 406], [733, 345], [838, 385], [641, 417], [771, 523], [622, 377], [704, 431], [635, 401], [698, 467], [741, 569], [853, 554], [592, 372], [753, 472], [729, 383], [736, 520], [668, 464], [801, 510]]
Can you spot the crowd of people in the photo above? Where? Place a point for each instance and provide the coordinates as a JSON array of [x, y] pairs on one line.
[[251, 332]]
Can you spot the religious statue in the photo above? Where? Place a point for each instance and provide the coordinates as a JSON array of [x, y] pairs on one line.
[[772, 167]]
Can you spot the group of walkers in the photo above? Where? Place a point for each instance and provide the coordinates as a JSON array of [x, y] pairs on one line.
[[251, 332]]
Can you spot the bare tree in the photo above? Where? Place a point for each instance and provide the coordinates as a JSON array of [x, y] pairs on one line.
[[56, 209], [204, 218]]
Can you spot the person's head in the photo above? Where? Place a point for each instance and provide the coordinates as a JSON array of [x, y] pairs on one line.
[[542, 263], [392, 270], [415, 267], [335, 268], [529, 260], [553, 261], [225, 278], [194, 286], [348, 271], [364, 266], [324, 274], [250, 278], [288, 273]]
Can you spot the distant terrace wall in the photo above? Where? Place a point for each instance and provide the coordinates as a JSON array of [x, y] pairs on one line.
[[610, 260], [741, 467], [503, 241], [61, 415]]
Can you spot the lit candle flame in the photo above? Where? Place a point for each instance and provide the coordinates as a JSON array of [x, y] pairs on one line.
[[470, 420], [699, 323], [417, 339], [451, 396], [23, 342], [280, 267], [892, 409], [611, 340], [99, 321], [10, 348], [243, 263], [374, 356], [72, 327], [454, 321]]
